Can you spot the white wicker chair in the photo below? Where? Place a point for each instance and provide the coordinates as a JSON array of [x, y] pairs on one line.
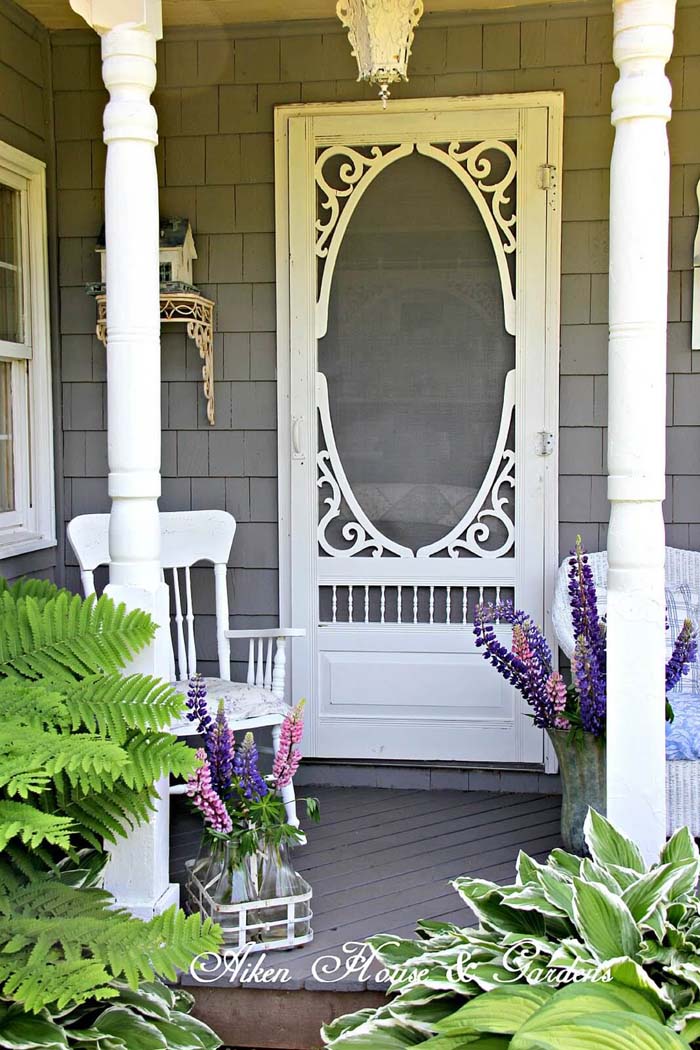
[[682, 778]]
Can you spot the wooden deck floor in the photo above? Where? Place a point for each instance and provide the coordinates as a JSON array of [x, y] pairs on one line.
[[382, 859]]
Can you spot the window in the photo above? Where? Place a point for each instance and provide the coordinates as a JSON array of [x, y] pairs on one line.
[[27, 515]]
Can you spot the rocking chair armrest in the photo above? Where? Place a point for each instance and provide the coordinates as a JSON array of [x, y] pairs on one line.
[[268, 632]]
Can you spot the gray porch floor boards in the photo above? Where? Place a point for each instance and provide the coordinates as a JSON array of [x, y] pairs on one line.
[[381, 859]]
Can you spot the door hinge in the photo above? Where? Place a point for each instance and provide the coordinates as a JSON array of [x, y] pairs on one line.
[[548, 181], [545, 443]]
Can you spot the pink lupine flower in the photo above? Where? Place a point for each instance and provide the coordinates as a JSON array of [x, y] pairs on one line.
[[288, 754], [520, 646], [200, 790], [556, 692]]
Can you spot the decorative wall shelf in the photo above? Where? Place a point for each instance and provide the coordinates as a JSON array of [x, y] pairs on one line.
[[179, 303]]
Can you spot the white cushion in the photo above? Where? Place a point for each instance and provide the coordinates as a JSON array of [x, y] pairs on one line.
[[241, 701], [683, 733]]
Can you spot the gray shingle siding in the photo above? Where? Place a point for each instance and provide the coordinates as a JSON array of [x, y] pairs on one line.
[[26, 124]]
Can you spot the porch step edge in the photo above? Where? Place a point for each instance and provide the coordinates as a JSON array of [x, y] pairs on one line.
[[426, 777], [275, 1020]]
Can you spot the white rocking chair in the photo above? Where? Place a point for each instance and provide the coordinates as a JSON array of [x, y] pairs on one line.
[[189, 538], [682, 777]]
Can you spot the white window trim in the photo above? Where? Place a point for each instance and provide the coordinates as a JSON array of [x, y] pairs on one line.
[[38, 530]]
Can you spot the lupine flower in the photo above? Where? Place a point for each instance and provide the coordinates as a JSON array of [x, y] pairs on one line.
[[583, 602], [519, 647], [196, 701], [245, 767], [205, 798], [527, 665], [685, 651], [219, 747], [590, 685], [589, 664], [556, 692], [288, 754]]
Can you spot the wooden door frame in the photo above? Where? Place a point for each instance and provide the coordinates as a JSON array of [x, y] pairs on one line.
[[553, 101]]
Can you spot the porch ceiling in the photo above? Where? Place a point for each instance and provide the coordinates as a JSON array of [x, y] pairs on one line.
[[57, 14]]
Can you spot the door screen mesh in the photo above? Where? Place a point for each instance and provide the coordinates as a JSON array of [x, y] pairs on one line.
[[416, 353]]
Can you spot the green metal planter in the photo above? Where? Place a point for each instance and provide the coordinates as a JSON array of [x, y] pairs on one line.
[[582, 768]]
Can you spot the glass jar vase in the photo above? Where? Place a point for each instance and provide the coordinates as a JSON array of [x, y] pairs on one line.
[[279, 880], [225, 880]]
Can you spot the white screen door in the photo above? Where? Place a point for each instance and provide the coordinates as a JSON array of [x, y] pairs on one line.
[[418, 255]]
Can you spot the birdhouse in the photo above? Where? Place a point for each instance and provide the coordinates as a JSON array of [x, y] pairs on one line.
[[177, 251]]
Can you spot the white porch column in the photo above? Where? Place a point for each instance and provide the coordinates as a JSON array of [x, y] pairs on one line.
[[639, 210], [137, 874]]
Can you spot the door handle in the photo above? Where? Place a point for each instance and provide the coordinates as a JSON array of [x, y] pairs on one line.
[[297, 437]]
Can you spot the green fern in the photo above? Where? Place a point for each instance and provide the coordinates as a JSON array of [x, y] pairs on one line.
[[31, 759], [27, 586], [53, 898], [103, 787], [32, 827], [55, 960], [109, 815], [151, 754], [67, 637], [35, 705], [111, 705], [59, 982], [81, 748], [114, 705]]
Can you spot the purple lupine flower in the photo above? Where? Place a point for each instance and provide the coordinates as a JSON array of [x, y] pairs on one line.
[[505, 662], [201, 791], [590, 684], [245, 766], [288, 754], [506, 613], [535, 673], [583, 602], [528, 665], [685, 651], [196, 701], [589, 663], [219, 746]]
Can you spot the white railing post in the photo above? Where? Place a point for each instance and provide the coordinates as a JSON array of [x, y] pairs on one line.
[[639, 219], [137, 873]]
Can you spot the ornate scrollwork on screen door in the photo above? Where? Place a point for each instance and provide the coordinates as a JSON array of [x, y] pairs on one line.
[[490, 506], [487, 170], [471, 535], [360, 534], [343, 173]]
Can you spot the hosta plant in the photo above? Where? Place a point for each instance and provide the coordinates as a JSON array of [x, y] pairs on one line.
[[531, 1017], [152, 1017], [81, 749], [524, 977]]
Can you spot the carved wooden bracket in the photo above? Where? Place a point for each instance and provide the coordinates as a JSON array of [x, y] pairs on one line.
[[105, 15], [181, 307]]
